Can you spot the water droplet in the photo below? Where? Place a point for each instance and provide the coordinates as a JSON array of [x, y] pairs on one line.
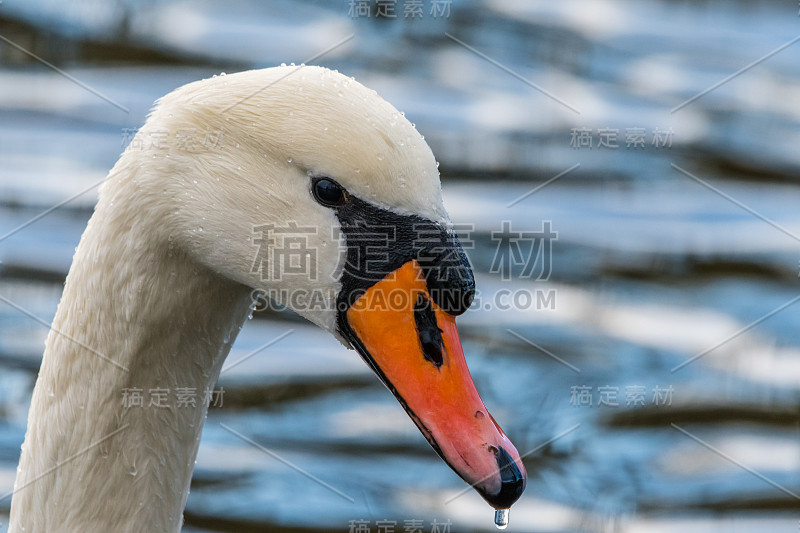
[[501, 518], [289, 160], [200, 229]]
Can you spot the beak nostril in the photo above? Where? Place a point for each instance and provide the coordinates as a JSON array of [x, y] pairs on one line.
[[494, 449], [430, 336], [479, 415]]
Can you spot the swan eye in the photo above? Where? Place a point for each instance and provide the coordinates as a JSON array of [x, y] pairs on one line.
[[328, 192]]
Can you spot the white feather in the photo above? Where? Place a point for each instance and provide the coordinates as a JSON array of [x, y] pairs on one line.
[[160, 283]]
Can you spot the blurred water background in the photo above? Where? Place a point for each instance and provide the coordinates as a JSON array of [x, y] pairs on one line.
[[677, 226]]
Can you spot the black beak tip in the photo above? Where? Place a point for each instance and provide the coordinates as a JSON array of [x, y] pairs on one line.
[[512, 482]]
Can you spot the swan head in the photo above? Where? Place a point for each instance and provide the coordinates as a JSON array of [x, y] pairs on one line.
[[304, 184]]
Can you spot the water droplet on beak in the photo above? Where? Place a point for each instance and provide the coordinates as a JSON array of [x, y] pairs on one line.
[[501, 518]]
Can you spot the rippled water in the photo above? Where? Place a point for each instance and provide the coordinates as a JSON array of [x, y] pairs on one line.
[[664, 254]]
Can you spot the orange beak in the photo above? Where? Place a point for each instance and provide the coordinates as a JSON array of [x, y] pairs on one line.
[[413, 345]]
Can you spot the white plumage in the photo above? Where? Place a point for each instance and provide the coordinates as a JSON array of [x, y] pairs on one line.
[[160, 283]]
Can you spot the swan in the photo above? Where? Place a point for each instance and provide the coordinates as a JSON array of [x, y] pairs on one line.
[[162, 281]]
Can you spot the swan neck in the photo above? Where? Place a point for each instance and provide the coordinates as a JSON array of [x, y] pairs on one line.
[[137, 343]]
